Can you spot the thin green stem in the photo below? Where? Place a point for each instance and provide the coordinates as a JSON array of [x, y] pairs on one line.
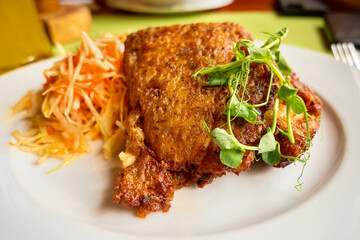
[[277, 71], [221, 68], [233, 90], [233, 93], [293, 158], [228, 117], [275, 113], [270, 45], [299, 185], [251, 148], [245, 75], [278, 37], [306, 118], [288, 122], [307, 124]]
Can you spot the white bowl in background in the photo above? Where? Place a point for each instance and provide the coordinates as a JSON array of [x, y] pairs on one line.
[[166, 6]]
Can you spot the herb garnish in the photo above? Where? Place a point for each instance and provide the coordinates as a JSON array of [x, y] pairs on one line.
[[235, 75]]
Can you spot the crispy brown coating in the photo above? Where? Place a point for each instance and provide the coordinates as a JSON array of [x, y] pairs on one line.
[[159, 64], [148, 183], [168, 107]]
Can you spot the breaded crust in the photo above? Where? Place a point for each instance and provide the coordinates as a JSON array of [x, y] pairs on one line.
[[159, 64], [168, 107]]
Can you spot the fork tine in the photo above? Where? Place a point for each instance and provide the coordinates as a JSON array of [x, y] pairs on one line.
[[335, 52], [348, 55], [341, 53], [355, 55]]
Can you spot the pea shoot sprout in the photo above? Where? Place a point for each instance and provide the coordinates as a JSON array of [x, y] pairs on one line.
[[234, 76]]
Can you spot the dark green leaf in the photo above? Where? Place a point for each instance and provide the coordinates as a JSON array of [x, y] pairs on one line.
[[217, 79], [224, 140], [273, 157], [285, 92], [296, 104], [231, 157], [267, 142], [282, 64]]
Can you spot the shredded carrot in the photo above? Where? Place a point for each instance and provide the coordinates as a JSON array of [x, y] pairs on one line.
[[84, 97]]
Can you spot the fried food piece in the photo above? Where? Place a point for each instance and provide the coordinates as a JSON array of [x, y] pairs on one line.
[[168, 106], [149, 186], [159, 64]]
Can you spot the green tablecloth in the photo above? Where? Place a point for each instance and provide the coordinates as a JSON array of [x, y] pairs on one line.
[[305, 32]]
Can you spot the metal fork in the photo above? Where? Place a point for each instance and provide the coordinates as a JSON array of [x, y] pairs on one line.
[[346, 53]]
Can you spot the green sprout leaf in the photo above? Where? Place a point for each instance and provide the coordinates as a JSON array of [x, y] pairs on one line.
[[235, 75], [253, 114], [285, 92], [282, 64], [248, 44], [232, 151], [217, 79], [238, 110], [272, 157], [255, 52], [274, 40], [231, 157], [224, 140], [246, 112], [269, 148], [267, 142], [296, 104], [259, 53]]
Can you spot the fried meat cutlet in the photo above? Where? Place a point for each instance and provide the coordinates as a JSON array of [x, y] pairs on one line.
[[166, 136]]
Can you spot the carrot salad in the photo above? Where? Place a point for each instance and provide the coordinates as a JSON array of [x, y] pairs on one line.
[[84, 98]]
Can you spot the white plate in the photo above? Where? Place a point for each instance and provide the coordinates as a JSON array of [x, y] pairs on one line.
[[76, 202], [181, 6]]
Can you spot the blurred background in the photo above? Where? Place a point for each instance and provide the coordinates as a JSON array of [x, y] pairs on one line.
[[31, 29]]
